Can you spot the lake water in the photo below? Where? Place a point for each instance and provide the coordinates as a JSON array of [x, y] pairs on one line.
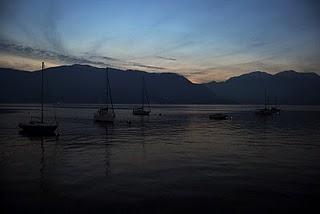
[[176, 162]]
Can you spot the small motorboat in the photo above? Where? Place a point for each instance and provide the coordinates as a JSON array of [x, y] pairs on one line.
[[218, 116], [140, 111]]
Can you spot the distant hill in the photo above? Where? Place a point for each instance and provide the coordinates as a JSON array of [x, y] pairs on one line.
[[287, 87], [87, 84]]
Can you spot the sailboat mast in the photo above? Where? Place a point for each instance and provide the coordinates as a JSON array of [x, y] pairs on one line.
[[109, 89], [142, 92], [146, 93], [42, 67], [265, 98]]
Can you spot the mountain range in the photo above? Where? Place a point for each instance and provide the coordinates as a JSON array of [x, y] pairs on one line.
[[87, 84], [287, 87]]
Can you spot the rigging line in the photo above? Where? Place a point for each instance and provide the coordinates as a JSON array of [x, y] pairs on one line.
[[142, 92], [146, 93], [42, 65]]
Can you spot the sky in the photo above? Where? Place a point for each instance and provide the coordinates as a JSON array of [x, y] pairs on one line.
[[203, 40]]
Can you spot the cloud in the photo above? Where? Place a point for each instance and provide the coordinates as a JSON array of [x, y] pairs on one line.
[[102, 57], [181, 44], [166, 58], [35, 21], [49, 27], [267, 64], [27, 51], [22, 63], [40, 54], [147, 66]]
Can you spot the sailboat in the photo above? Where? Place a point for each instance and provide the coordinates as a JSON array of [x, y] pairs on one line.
[[264, 111], [106, 114], [36, 127], [275, 108], [141, 110]]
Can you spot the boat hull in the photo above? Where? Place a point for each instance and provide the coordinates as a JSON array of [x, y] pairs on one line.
[[275, 110], [38, 128], [264, 112], [104, 119], [140, 112], [104, 115], [218, 117]]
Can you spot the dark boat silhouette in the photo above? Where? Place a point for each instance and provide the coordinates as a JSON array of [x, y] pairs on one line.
[[275, 108], [266, 111], [39, 127], [218, 116], [141, 110], [106, 114]]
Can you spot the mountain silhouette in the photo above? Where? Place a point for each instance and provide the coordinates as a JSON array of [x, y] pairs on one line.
[[87, 84], [287, 87]]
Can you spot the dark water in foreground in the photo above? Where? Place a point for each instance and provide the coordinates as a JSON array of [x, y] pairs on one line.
[[178, 162]]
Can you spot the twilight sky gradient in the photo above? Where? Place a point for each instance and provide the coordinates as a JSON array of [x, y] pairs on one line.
[[202, 39]]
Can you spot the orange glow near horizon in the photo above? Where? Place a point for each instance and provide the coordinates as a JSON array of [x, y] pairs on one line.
[[196, 74]]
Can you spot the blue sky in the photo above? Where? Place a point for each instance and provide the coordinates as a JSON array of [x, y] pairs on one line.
[[203, 40]]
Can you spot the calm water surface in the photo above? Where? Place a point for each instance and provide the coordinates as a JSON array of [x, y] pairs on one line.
[[179, 161]]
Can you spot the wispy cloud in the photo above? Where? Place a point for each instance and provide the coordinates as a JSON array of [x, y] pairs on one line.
[[38, 28], [102, 57], [95, 60], [166, 58], [147, 66], [31, 52], [50, 29]]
